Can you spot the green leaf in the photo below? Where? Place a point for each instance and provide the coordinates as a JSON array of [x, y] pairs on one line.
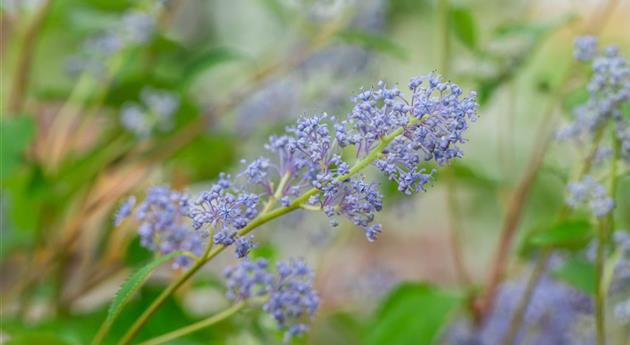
[[36, 338], [376, 42], [205, 62], [464, 26], [569, 234], [16, 135], [579, 273], [575, 98], [135, 281], [413, 314]]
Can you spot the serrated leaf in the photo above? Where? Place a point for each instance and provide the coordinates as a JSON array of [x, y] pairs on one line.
[[579, 273], [376, 42], [569, 234], [464, 26], [414, 313], [131, 285]]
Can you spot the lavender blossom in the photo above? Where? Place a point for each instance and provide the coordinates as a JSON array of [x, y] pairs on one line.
[[125, 210], [226, 210], [588, 191], [248, 279], [585, 48], [290, 298], [163, 224], [609, 90]]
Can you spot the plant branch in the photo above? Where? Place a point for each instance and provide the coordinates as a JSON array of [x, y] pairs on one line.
[[258, 221], [196, 326]]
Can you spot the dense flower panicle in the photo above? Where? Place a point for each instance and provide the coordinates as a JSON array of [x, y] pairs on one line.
[[248, 279], [290, 298], [155, 112], [355, 199], [609, 90], [163, 224], [585, 48], [226, 210], [309, 155], [588, 191]]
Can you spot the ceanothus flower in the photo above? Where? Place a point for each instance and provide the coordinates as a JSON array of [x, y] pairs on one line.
[[588, 191], [226, 210], [163, 224], [608, 88], [585, 48], [288, 292], [125, 210], [386, 130], [155, 112]]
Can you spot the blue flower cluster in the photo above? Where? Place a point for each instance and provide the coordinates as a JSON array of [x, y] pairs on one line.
[[155, 112], [164, 226], [394, 134], [588, 191], [308, 169], [289, 295], [609, 89], [585, 48], [226, 209]]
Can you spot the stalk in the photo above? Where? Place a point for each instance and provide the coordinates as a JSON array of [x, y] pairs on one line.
[[258, 221], [196, 326]]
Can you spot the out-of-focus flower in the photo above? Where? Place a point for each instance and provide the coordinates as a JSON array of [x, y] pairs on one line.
[[163, 224], [289, 295], [588, 191], [154, 113], [550, 317], [585, 48], [609, 90]]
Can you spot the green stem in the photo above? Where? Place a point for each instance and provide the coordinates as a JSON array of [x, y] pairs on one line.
[[600, 298], [196, 326], [258, 221]]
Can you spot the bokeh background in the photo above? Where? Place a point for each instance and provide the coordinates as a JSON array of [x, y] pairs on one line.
[[79, 134]]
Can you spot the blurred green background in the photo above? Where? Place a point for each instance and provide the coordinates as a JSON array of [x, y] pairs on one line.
[[240, 71]]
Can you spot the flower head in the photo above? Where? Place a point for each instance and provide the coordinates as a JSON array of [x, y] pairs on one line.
[[290, 298], [163, 224], [588, 191]]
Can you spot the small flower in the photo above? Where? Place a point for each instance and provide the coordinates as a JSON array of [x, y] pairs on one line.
[[125, 210], [243, 245], [291, 300], [163, 224], [154, 113], [585, 48], [588, 191]]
